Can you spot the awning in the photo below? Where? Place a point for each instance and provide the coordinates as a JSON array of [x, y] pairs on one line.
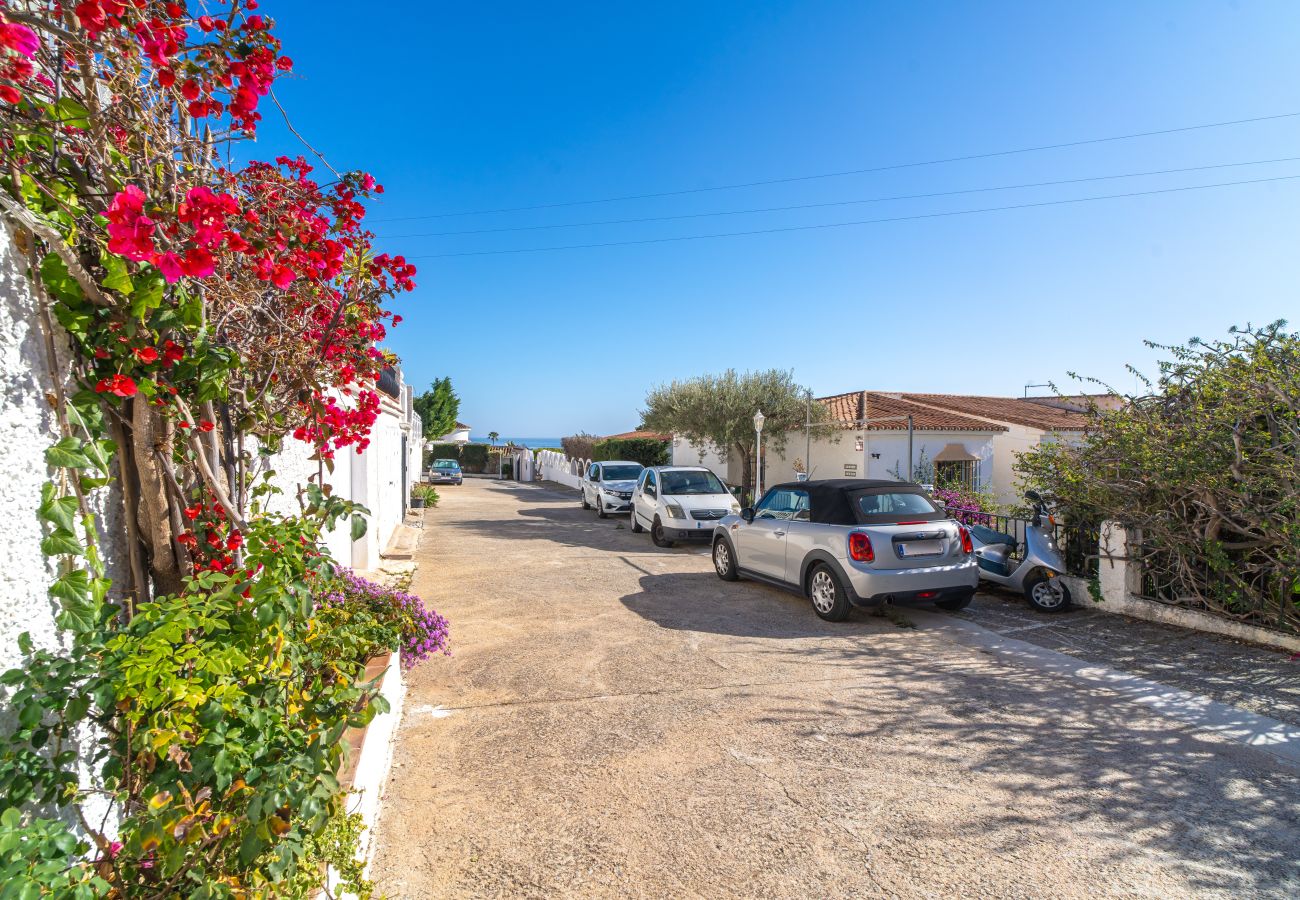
[[955, 453]]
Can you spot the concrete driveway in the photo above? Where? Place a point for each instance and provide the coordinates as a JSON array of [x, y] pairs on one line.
[[616, 721]]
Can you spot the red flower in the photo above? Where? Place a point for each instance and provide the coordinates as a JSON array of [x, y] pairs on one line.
[[235, 541], [184, 425], [198, 263], [193, 512], [19, 38], [9, 93], [170, 265], [172, 353], [166, 77], [206, 426], [188, 539], [207, 23], [284, 64], [146, 354], [119, 385], [130, 231]]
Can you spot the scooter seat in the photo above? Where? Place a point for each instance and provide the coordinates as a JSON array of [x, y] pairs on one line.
[[986, 535]]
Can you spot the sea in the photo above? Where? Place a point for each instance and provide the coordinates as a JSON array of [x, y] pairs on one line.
[[532, 443]]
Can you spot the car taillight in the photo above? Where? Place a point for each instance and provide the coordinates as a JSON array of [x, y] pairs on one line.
[[860, 547], [966, 546]]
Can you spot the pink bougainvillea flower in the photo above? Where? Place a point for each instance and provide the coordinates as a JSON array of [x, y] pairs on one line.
[[170, 265], [19, 38], [118, 385], [146, 354], [130, 231], [198, 263]]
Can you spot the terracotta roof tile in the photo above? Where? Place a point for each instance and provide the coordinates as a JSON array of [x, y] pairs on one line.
[[638, 435], [887, 412], [1007, 409]]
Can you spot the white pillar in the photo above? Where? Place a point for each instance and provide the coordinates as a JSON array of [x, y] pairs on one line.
[[1118, 574]]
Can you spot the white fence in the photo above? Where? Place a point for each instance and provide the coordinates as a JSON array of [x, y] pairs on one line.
[[557, 467]]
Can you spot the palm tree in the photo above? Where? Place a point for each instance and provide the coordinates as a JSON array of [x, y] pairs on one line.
[[492, 436]]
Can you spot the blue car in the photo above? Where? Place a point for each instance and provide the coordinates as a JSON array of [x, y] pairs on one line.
[[445, 471]]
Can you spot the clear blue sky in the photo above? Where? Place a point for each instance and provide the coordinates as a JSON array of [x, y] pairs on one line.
[[472, 106]]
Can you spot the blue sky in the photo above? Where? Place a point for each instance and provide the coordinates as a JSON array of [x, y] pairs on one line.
[[461, 107]]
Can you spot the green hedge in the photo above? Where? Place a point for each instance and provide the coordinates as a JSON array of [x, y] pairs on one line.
[[440, 451], [646, 451], [474, 458]]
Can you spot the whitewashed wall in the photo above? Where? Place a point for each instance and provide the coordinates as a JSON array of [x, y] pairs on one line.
[[557, 467], [27, 427]]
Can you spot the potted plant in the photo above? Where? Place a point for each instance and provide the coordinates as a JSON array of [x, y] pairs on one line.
[[422, 494]]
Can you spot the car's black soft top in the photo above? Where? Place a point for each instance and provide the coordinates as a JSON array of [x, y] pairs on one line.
[[831, 500]]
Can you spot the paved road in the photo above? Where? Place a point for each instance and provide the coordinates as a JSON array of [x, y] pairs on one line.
[[618, 722]]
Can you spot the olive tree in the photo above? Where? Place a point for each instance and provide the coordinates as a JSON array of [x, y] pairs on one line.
[[1206, 463], [718, 411]]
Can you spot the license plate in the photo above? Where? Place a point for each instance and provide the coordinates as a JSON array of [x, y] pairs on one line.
[[920, 548]]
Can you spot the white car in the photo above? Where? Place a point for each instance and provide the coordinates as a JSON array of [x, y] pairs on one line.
[[680, 503], [607, 486]]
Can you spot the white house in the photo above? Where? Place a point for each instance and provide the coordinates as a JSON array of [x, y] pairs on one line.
[[458, 435], [969, 439]]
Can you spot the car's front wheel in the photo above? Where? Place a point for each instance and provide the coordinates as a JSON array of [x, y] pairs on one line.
[[829, 598], [1047, 594], [724, 562], [585, 504], [600, 507], [657, 534]]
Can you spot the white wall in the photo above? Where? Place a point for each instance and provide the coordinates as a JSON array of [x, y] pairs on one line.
[[555, 466]]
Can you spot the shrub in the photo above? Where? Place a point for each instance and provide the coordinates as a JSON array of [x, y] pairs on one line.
[[474, 458], [579, 446], [420, 632], [1204, 465], [646, 451], [440, 451]]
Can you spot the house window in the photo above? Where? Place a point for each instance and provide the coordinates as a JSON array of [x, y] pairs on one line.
[[957, 473]]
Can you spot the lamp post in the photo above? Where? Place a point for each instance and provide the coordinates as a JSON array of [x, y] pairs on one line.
[[758, 455]]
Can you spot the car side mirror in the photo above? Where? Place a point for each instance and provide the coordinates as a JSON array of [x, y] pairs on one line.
[[747, 514]]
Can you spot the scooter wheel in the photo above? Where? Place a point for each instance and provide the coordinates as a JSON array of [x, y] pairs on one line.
[[1049, 595]]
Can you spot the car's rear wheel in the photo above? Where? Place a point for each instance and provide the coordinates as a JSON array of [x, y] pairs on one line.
[[636, 526], [1047, 594], [657, 534], [952, 604], [829, 598], [723, 560]]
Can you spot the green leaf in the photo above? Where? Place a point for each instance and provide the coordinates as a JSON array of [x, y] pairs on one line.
[[31, 715], [59, 281], [118, 278], [68, 454], [148, 292], [73, 587], [61, 541], [71, 113], [358, 527], [62, 511]]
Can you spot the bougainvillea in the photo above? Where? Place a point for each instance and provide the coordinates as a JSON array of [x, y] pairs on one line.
[[198, 315]]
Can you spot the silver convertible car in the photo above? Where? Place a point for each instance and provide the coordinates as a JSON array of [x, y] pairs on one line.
[[848, 542]]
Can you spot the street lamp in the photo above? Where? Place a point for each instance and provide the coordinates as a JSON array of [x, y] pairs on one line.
[[758, 454]]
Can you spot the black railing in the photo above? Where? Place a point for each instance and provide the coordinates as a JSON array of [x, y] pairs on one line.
[[1078, 543]]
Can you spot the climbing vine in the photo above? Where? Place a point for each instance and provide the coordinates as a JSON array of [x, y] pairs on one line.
[[195, 316]]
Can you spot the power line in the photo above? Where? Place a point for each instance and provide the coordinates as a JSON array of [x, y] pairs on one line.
[[889, 168], [767, 209], [937, 215]]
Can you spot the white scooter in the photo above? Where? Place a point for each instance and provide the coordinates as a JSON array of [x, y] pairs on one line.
[[1038, 573]]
